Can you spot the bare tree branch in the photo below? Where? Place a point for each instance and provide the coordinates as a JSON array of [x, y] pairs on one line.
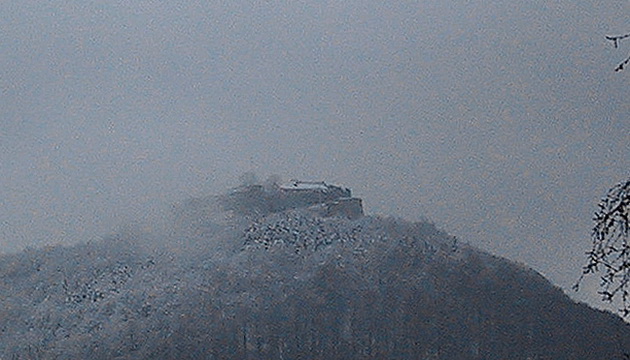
[[616, 40], [611, 246], [622, 64]]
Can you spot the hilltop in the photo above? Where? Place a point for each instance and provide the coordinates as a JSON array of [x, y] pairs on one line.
[[259, 274]]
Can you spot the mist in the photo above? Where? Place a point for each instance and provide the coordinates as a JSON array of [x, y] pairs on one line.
[[502, 122]]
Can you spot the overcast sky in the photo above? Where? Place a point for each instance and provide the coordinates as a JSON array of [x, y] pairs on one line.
[[502, 121]]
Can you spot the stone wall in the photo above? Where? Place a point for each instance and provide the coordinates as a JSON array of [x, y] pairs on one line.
[[259, 200]]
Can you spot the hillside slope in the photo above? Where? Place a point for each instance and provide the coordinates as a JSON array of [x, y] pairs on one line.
[[289, 285]]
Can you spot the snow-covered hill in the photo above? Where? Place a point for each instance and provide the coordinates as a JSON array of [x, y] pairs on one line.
[[289, 284]]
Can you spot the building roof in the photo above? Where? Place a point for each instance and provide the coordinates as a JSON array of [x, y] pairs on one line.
[[305, 185]]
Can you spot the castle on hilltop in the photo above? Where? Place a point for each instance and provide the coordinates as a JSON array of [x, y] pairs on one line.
[[322, 198]]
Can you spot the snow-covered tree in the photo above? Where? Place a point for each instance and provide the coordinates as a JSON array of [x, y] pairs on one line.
[[610, 254]]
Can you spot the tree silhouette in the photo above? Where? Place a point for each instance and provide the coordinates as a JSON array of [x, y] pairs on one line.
[[616, 40], [610, 254]]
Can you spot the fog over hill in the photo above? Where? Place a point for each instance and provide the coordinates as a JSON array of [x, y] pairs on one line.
[[501, 120], [268, 273]]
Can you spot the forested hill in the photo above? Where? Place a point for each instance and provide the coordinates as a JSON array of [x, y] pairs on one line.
[[289, 284]]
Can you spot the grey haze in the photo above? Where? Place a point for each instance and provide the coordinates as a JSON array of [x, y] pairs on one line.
[[502, 121]]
